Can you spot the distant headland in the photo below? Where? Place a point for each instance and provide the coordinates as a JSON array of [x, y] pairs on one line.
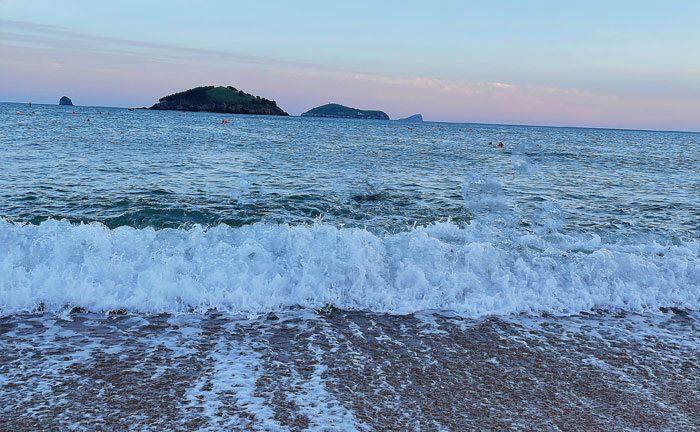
[[341, 111], [227, 100], [65, 100], [416, 118]]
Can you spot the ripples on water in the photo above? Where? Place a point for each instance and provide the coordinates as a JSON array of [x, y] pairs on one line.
[[295, 273], [161, 169]]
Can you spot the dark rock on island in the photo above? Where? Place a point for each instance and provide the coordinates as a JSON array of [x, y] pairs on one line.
[[65, 100], [219, 100], [340, 111], [417, 118]]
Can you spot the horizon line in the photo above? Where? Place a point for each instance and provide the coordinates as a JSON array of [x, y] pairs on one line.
[[424, 121]]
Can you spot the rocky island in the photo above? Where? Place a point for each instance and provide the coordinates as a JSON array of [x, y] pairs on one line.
[[219, 100], [65, 100], [341, 111], [416, 118]]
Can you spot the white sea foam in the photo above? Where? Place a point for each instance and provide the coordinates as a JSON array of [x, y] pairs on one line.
[[528, 158], [473, 270], [241, 188], [483, 195]]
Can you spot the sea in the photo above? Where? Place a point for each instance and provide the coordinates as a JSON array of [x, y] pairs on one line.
[[162, 270]]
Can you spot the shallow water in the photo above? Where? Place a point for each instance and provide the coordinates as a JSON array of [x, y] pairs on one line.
[[342, 370], [165, 270]]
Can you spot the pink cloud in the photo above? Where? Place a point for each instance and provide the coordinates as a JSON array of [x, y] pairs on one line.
[[41, 63]]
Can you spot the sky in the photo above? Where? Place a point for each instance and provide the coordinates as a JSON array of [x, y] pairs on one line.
[[621, 64]]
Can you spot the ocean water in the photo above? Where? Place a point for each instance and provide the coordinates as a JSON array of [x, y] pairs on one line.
[[166, 270]]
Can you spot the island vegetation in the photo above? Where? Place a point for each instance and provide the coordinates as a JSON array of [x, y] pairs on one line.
[[220, 100], [340, 111]]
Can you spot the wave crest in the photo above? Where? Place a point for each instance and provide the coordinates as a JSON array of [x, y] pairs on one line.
[[474, 270]]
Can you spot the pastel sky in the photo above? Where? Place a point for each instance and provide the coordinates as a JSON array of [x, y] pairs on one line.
[[627, 64]]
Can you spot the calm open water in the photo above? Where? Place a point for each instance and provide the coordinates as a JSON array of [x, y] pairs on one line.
[[164, 270]]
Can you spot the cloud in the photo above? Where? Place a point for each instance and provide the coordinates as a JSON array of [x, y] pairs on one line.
[[19, 33], [61, 39], [42, 60], [503, 86]]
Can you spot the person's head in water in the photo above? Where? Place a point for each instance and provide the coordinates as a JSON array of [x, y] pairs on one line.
[[500, 145]]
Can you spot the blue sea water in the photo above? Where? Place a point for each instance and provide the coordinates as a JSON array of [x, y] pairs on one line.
[[167, 270], [165, 211]]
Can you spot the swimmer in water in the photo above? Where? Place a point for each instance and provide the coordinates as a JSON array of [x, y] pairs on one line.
[[500, 145]]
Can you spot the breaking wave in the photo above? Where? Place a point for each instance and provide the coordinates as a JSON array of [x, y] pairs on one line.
[[474, 270]]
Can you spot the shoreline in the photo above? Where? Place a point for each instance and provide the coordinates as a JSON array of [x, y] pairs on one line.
[[349, 370]]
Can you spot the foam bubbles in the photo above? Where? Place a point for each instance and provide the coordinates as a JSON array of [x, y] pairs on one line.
[[527, 158], [474, 270], [242, 188], [483, 194], [548, 218]]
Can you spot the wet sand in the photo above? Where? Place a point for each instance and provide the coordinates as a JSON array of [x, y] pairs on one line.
[[339, 370]]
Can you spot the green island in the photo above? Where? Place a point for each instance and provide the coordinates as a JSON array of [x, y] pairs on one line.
[[219, 100], [341, 111]]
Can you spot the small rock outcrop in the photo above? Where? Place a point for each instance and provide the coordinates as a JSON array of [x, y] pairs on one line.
[[416, 118], [65, 100], [341, 111]]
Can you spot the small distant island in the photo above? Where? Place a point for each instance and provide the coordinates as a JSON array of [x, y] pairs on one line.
[[341, 111], [227, 100], [416, 118], [65, 100]]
